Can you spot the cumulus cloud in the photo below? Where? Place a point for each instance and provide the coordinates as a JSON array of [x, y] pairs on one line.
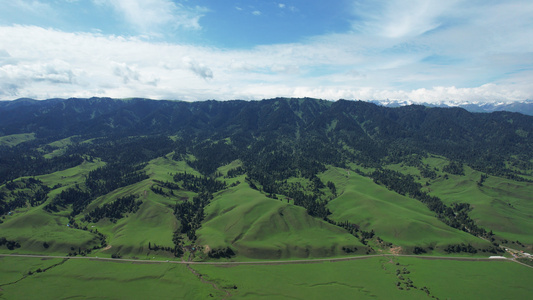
[[256, 13]]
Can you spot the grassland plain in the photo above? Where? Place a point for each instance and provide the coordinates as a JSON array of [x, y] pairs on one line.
[[395, 218], [369, 278], [84, 279], [377, 278]]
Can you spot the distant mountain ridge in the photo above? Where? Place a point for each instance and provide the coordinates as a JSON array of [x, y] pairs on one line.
[[524, 107]]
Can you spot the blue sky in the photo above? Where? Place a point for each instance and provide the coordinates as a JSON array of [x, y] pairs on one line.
[[418, 50]]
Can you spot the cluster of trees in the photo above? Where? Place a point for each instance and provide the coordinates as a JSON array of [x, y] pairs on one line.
[[455, 168], [349, 249], [191, 214], [221, 253], [458, 248], [82, 252], [167, 184], [10, 244], [355, 230], [427, 172], [232, 173], [199, 183], [21, 193], [482, 179], [332, 188], [78, 197], [113, 176], [114, 210]]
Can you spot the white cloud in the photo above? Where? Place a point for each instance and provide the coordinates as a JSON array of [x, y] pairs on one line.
[[150, 16], [281, 5], [198, 68], [256, 13], [451, 52], [397, 19]]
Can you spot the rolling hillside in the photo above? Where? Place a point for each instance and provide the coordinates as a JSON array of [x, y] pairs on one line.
[[272, 179]]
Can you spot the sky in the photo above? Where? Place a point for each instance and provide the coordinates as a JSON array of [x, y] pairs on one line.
[[415, 50]]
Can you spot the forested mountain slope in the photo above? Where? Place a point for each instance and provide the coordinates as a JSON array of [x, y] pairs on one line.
[[108, 167]]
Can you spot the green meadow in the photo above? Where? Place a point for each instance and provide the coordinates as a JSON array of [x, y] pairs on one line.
[[369, 278], [395, 218], [498, 204], [376, 278], [84, 279]]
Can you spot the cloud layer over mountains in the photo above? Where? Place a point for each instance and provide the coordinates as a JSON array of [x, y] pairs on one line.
[[422, 50]]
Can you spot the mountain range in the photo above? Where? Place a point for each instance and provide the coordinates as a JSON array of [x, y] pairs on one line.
[[525, 107]]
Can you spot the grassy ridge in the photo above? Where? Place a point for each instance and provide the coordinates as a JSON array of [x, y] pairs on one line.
[[260, 227], [154, 222], [34, 227], [395, 218], [15, 139]]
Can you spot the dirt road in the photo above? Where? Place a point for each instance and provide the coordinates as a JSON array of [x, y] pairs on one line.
[[266, 262]]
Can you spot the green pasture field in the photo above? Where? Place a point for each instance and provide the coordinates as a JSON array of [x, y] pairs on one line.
[[161, 168], [260, 227], [84, 279], [395, 218], [367, 278], [375, 278]]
